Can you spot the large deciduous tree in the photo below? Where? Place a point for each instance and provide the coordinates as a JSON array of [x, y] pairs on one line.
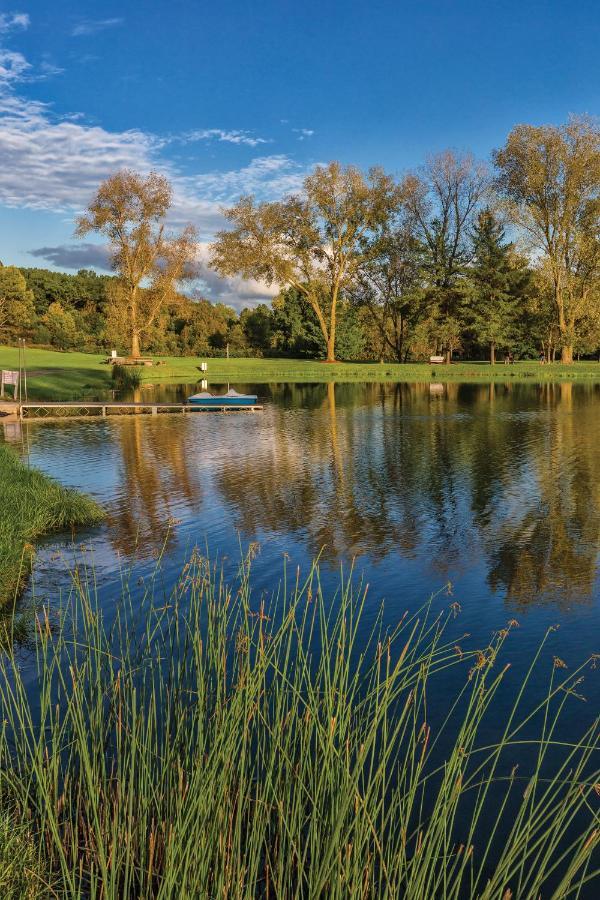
[[444, 197], [550, 176], [17, 311], [389, 287], [313, 241], [130, 211]]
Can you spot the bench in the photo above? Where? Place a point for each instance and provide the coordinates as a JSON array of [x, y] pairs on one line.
[[129, 361], [437, 359]]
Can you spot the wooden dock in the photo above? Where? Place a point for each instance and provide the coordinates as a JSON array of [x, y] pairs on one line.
[[9, 410], [42, 409]]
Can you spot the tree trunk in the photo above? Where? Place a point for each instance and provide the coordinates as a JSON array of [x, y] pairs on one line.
[[332, 323], [133, 319], [448, 357], [567, 354], [492, 353], [135, 343], [331, 348]]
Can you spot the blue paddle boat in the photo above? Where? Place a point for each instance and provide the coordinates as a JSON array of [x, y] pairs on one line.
[[231, 398]]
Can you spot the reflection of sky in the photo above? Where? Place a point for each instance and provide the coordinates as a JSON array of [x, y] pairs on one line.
[[421, 490]]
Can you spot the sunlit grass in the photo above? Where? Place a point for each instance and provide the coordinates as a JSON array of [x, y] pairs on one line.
[[20, 870], [72, 375], [217, 743]]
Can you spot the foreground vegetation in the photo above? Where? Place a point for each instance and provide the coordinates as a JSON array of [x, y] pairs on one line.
[[72, 376], [31, 505], [213, 744]]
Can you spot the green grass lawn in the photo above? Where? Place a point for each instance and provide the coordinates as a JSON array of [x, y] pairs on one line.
[[72, 376]]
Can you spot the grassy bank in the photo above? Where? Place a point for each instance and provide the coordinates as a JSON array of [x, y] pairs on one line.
[[216, 744], [31, 505], [72, 375]]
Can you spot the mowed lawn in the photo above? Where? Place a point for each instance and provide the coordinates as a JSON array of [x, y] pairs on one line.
[[54, 375]]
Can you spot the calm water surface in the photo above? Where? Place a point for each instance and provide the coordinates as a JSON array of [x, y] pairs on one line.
[[494, 489]]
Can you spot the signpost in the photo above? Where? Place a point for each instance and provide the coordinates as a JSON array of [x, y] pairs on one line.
[[12, 378]]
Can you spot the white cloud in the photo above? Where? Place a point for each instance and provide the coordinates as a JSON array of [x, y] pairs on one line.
[[265, 176], [48, 69], [48, 163], [235, 292], [92, 26], [12, 21], [13, 67], [303, 133], [229, 137], [55, 163]]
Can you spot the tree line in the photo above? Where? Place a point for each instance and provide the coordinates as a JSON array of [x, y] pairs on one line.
[[456, 257]]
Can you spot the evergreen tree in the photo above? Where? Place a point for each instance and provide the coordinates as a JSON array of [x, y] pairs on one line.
[[496, 280]]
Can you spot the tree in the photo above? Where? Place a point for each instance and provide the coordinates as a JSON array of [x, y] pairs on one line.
[[443, 197], [130, 210], [17, 311], [296, 330], [258, 327], [496, 279], [312, 242], [389, 286], [61, 326], [550, 176]]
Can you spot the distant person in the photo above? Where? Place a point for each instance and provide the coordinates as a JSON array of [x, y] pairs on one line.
[[542, 358]]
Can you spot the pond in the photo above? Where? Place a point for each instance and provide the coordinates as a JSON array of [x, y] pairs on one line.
[[490, 492]]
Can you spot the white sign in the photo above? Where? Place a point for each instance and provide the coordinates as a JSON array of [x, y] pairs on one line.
[[9, 377]]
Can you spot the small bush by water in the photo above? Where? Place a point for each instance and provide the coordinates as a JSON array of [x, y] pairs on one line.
[[31, 504], [126, 377], [211, 743]]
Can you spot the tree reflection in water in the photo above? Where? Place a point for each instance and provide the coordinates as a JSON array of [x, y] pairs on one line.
[[507, 473], [504, 477]]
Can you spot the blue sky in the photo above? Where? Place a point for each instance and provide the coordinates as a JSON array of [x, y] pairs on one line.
[[240, 97]]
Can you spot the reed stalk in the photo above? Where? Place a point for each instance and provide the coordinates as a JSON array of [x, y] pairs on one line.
[[215, 743]]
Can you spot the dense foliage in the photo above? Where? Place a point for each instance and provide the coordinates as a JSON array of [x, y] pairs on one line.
[[451, 259], [388, 316]]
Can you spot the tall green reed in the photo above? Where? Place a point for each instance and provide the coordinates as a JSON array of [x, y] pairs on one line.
[[126, 377], [214, 743]]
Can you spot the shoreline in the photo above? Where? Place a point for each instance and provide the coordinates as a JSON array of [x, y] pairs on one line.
[[32, 505], [70, 375]]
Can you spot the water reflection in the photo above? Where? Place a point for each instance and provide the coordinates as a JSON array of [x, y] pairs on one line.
[[507, 474], [451, 477], [158, 477]]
